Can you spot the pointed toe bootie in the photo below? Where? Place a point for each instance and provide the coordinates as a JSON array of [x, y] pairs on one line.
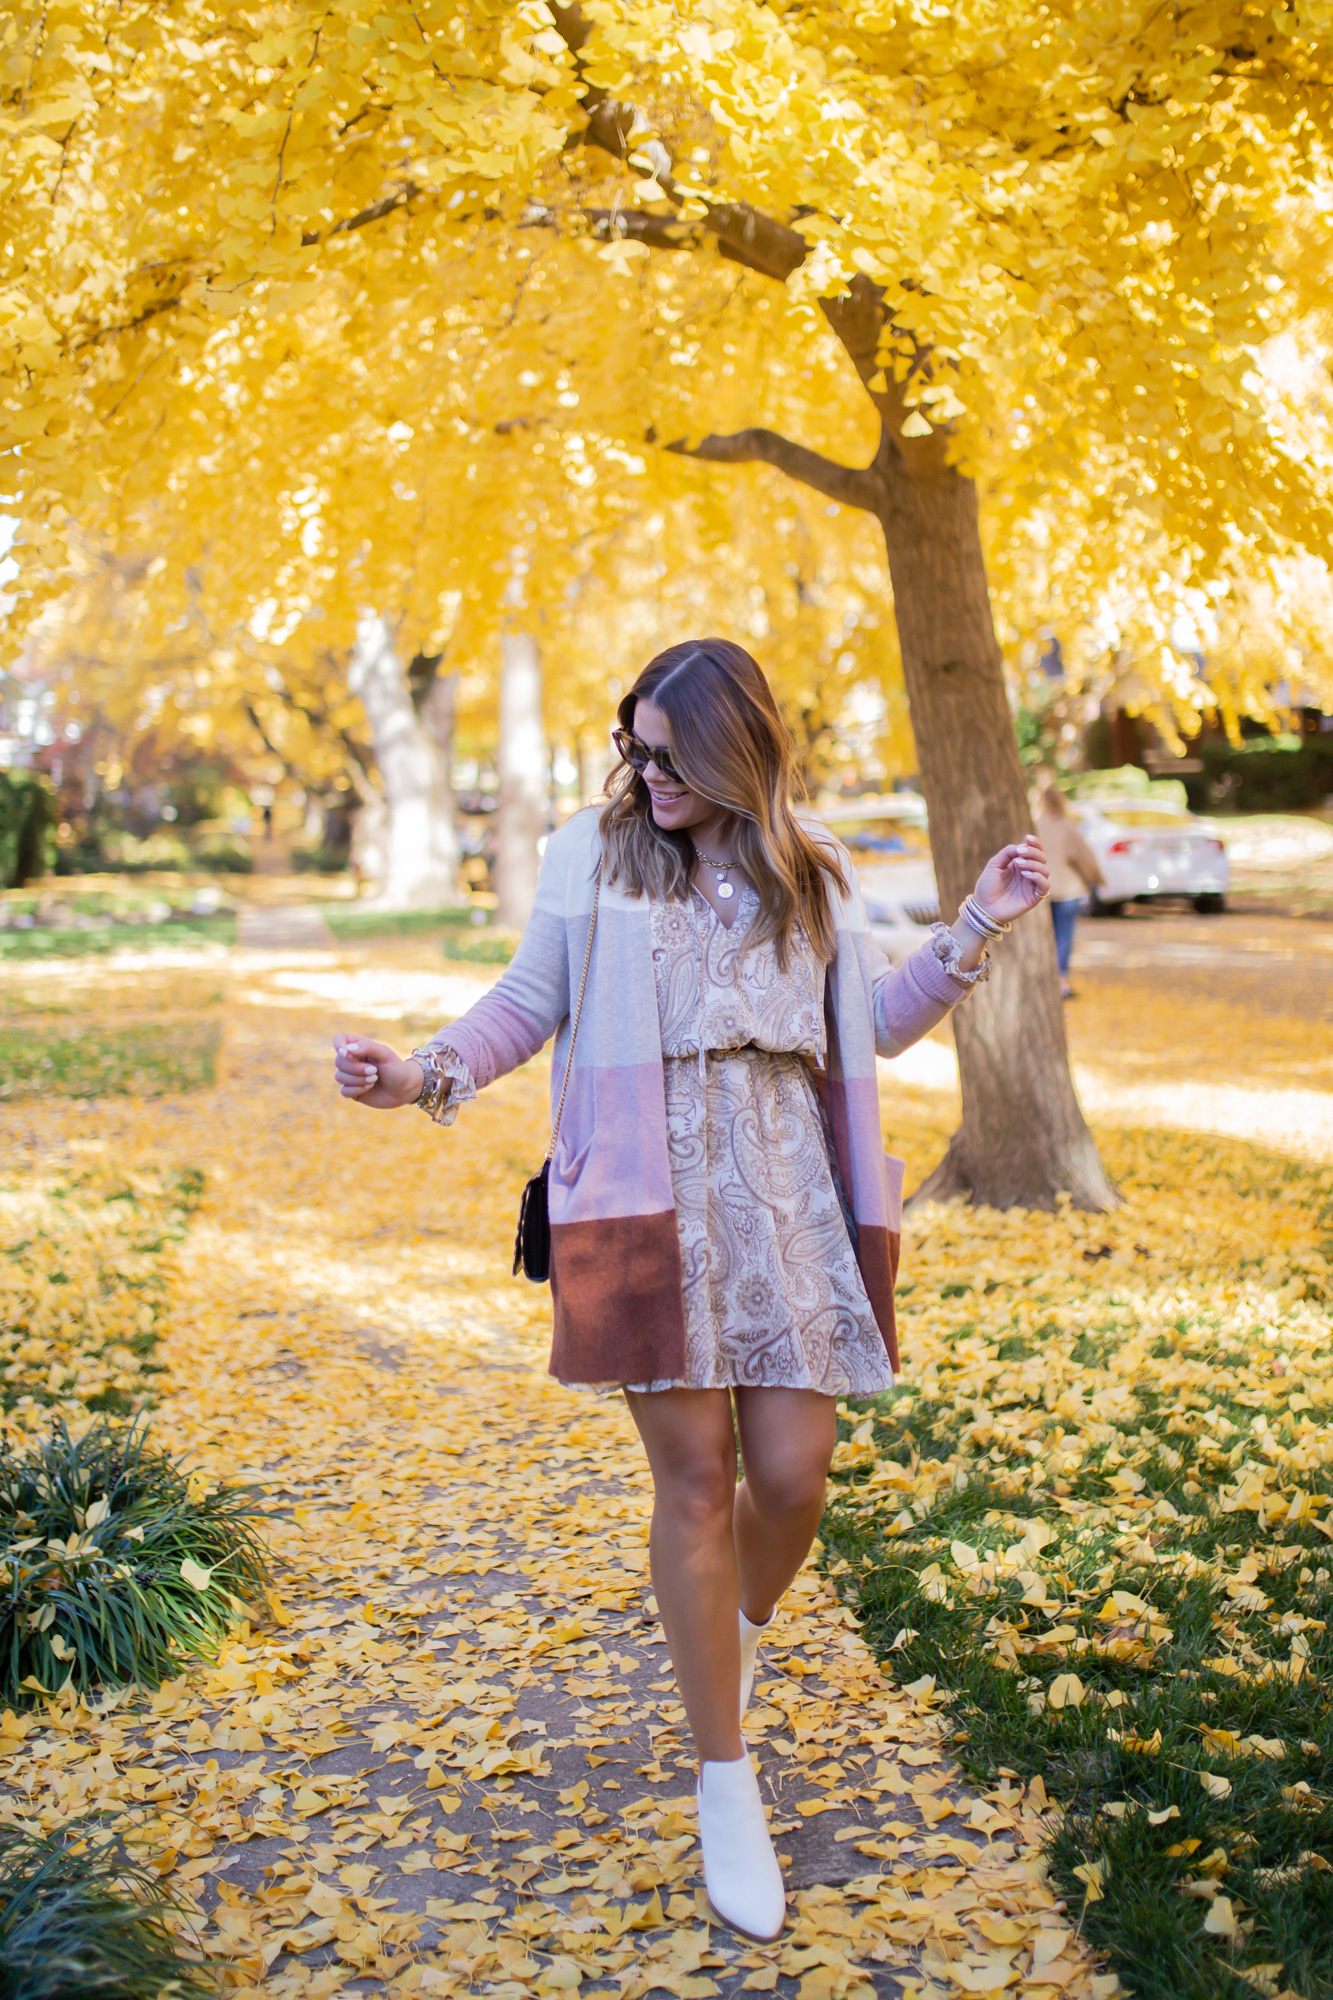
[[741, 1871], [750, 1637]]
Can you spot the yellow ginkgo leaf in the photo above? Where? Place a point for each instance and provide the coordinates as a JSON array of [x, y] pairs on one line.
[[1065, 1691], [1221, 1917]]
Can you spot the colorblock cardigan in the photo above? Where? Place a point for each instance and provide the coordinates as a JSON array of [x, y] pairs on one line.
[[615, 1254]]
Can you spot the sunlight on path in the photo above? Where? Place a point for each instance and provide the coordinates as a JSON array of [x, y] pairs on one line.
[[1299, 1122]]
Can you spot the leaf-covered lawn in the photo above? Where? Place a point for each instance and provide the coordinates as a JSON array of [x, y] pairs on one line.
[[464, 932], [87, 1260], [1100, 1513], [147, 1061], [94, 1032]]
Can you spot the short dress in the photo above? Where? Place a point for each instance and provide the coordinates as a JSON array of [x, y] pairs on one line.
[[772, 1292]]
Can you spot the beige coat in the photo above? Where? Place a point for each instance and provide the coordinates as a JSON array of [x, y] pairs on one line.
[[1074, 868]]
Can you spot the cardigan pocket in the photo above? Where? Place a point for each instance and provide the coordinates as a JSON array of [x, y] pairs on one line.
[[566, 1164]]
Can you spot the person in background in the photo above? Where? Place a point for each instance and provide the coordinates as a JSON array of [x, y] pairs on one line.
[[1074, 870]]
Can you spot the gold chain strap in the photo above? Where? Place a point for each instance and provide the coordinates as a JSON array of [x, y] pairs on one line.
[[578, 1014]]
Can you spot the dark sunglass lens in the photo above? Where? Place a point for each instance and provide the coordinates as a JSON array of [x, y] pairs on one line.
[[639, 756]]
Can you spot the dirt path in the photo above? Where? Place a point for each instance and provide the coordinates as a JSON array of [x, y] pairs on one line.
[[283, 927], [452, 1761]]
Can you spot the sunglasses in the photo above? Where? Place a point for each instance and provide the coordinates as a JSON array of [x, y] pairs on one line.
[[638, 755]]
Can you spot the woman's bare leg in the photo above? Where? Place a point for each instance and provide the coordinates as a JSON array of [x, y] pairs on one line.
[[787, 1439], [691, 1446]]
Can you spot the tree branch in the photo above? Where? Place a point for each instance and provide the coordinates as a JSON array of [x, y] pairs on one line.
[[375, 213], [775, 250], [129, 325], [291, 769], [744, 234], [849, 485], [377, 210], [758, 241], [637, 225]]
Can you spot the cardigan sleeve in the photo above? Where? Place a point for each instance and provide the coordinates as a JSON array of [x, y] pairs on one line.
[[909, 999], [530, 999]]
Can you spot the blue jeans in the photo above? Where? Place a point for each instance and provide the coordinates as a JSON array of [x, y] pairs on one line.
[[1064, 915]]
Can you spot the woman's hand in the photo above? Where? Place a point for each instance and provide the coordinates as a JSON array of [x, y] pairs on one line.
[[372, 1074], [1014, 880]]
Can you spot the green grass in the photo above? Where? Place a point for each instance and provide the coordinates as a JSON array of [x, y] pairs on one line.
[[80, 1922], [115, 1562], [178, 933], [481, 947], [461, 940], [347, 921], [141, 1061], [1236, 1643]]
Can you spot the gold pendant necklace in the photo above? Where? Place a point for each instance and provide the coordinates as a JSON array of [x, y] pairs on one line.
[[721, 869]]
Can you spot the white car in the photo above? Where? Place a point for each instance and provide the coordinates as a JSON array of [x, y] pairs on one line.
[[888, 842], [1149, 850]]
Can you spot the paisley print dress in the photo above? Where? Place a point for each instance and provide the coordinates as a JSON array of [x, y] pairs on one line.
[[773, 1296]]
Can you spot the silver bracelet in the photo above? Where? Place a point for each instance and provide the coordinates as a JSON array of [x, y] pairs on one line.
[[950, 953], [981, 921], [436, 1085]]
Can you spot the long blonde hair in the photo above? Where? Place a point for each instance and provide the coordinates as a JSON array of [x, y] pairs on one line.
[[731, 745]]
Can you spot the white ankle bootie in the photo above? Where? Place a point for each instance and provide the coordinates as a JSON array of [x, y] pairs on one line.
[[750, 1635], [741, 1870]]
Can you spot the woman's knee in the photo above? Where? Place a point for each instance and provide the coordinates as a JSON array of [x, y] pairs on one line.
[[697, 1494], [788, 1491]]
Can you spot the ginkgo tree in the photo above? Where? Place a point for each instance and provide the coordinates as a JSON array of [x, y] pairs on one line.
[[1049, 241]]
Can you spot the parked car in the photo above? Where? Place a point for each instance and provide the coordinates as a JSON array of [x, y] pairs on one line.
[[1149, 850], [888, 841]]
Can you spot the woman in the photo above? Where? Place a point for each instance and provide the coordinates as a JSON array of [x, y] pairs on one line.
[[1073, 871], [724, 1231]]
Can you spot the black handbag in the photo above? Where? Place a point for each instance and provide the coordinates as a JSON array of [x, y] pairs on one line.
[[532, 1243]]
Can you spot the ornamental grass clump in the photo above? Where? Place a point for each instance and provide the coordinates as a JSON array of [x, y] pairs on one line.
[[115, 1562], [77, 1920]]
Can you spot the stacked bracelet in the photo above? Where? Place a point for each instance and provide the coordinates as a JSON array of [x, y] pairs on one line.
[[436, 1085], [950, 955], [981, 921]]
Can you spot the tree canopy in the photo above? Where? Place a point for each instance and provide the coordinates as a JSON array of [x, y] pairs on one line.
[[1093, 229]]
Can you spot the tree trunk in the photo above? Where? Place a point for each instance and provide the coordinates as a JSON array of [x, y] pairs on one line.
[[594, 759], [437, 712], [370, 835], [417, 871], [1023, 1139], [521, 768]]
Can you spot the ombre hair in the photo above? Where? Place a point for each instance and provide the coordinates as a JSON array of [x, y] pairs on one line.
[[731, 745]]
